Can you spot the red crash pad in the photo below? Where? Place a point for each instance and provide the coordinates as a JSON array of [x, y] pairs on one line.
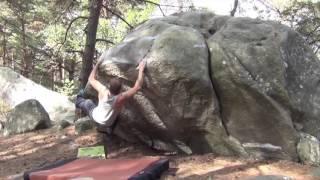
[[99, 169]]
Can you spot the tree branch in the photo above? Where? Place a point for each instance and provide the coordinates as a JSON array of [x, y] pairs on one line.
[[235, 6], [316, 50], [108, 9], [313, 31], [69, 26], [105, 40], [63, 12], [42, 51], [159, 6], [313, 41], [74, 51]]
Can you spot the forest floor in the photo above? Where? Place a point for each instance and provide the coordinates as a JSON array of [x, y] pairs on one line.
[[19, 153]]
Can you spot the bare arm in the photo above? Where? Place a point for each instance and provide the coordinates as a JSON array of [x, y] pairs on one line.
[[137, 86], [95, 83]]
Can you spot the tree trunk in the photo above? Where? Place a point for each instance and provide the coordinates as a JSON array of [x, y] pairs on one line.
[[71, 70], [60, 71], [4, 46], [87, 59], [52, 79], [26, 64], [235, 6], [12, 60]]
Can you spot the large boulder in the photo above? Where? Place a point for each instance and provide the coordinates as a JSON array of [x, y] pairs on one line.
[[27, 116], [15, 89], [250, 76], [218, 84], [266, 78], [177, 104]]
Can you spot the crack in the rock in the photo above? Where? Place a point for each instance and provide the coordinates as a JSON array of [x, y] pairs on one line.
[[214, 88]]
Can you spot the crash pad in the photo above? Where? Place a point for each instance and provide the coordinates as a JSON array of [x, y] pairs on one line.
[[144, 168]]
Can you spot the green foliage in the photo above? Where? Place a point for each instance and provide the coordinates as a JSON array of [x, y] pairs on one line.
[[140, 13], [97, 152], [304, 17], [41, 32], [4, 108], [68, 88], [301, 15], [115, 29]]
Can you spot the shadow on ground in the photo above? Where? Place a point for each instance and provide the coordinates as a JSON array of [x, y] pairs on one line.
[[19, 153]]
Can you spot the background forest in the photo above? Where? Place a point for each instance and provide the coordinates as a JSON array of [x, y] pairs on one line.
[[56, 42]]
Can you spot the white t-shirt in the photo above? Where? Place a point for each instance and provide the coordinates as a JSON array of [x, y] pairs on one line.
[[105, 113]]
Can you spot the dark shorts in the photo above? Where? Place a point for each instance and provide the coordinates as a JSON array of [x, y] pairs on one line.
[[86, 105]]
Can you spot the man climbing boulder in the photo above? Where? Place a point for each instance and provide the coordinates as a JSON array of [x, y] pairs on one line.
[[110, 99]]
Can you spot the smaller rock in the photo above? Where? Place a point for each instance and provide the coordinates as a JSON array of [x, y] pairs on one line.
[[1, 125], [183, 147], [163, 146], [63, 124], [265, 151], [84, 124], [309, 149], [16, 176], [63, 137], [237, 146], [28, 116], [316, 172], [15, 89]]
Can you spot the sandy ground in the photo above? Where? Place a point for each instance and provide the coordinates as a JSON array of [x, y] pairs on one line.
[[23, 152]]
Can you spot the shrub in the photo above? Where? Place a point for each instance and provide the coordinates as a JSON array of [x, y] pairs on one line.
[[4, 109], [68, 88]]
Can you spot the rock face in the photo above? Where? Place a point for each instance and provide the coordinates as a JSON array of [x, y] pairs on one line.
[[16, 89], [27, 116], [218, 84], [249, 69], [266, 78]]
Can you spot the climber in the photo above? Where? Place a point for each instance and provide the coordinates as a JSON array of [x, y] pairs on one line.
[[110, 101]]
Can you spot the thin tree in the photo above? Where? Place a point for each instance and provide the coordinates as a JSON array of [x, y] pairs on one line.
[[4, 45], [88, 55]]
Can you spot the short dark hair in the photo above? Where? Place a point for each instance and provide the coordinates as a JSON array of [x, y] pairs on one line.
[[115, 86]]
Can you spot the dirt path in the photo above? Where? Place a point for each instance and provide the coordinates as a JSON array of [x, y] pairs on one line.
[[23, 152]]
